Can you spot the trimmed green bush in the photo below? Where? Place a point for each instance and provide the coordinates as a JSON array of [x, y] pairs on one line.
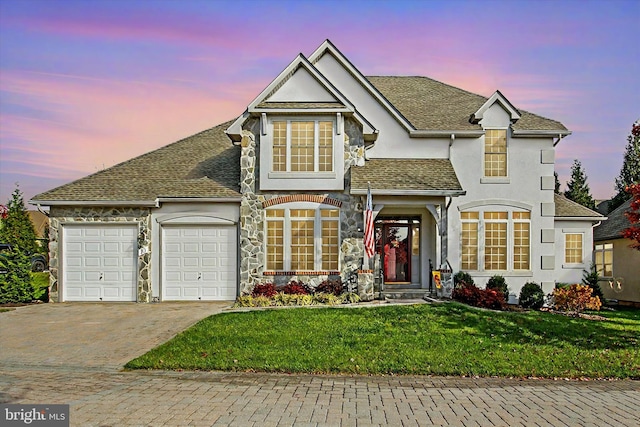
[[463, 277], [498, 283], [531, 296]]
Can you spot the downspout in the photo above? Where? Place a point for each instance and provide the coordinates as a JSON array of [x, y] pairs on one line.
[[453, 138]]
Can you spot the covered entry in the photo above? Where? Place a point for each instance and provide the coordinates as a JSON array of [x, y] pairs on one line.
[[410, 198]]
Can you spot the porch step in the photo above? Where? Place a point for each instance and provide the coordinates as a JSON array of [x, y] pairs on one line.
[[405, 293]]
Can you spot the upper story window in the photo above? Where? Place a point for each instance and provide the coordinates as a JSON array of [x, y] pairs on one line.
[[302, 146], [301, 152], [495, 153]]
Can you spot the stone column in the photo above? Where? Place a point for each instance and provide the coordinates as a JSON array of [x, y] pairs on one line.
[[365, 285]]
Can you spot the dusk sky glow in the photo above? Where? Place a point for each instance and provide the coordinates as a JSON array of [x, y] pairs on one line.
[[85, 85]]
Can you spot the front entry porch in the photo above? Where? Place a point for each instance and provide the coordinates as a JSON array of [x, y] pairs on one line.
[[407, 244]]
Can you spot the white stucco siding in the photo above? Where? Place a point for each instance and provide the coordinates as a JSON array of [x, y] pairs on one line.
[[393, 139], [572, 272], [193, 214], [302, 87], [521, 188]]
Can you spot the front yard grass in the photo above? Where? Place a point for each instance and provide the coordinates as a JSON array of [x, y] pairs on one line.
[[438, 339]]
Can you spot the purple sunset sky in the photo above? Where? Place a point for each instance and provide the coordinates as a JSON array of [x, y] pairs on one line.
[[88, 84]]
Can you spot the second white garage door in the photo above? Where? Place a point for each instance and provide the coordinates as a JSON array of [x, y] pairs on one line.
[[199, 263]]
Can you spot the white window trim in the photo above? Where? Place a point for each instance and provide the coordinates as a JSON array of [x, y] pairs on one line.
[[314, 181], [565, 264], [510, 242], [496, 179], [316, 148], [317, 232]]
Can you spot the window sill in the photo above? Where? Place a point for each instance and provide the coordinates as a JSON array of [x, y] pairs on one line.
[[301, 273], [506, 273], [574, 266], [302, 175], [495, 180]]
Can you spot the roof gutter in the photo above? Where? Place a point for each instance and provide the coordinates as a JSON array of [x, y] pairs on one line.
[[422, 133], [451, 193], [581, 218], [144, 203], [161, 200]]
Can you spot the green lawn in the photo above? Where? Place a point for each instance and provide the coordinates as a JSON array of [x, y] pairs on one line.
[[439, 339]]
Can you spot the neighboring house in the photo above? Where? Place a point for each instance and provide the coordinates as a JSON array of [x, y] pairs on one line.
[[617, 263], [40, 223], [277, 194]]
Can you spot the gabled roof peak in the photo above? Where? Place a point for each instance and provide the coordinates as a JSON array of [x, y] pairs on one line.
[[504, 103]]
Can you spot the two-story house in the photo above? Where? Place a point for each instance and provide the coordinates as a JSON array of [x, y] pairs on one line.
[[278, 194]]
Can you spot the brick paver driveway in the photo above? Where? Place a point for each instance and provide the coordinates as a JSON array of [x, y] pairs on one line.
[[72, 353]]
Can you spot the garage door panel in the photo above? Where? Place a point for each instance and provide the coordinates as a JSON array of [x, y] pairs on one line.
[[91, 291], [202, 251], [190, 262], [99, 262]]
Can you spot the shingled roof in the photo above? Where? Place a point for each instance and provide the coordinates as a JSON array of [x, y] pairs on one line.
[[204, 165], [431, 105], [566, 208], [402, 176], [612, 228]]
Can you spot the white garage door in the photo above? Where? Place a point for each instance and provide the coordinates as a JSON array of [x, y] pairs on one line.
[[99, 262], [199, 263]]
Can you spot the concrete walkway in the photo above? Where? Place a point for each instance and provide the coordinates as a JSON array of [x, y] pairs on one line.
[[71, 353]]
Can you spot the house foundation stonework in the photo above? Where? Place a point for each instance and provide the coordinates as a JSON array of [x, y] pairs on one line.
[[453, 180], [60, 215]]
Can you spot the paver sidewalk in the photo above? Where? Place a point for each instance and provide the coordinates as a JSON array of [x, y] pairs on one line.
[[248, 399]]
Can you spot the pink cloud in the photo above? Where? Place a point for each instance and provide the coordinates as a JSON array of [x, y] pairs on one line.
[[95, 123]]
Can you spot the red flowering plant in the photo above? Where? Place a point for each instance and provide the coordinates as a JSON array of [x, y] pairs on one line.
[[294, 287], [633, 232], [264, 289]]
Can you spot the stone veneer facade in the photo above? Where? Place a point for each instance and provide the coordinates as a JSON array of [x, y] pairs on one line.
[[130, 215], [252, 215]]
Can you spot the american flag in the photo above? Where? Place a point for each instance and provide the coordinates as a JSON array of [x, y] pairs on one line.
[[369, 241]]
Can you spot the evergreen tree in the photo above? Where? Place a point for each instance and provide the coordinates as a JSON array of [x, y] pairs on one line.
[[577, 187], [557, 188], [17, 228], [630, 172], [15, 279]]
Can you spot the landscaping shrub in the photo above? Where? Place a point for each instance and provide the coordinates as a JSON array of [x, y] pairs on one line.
[[334, 287], [575, 299], [327, 298], [463, 276], [472, 295], [15, 281], [498, 283], [591, 278], [531, 296], [294, 287], [264, 289]]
